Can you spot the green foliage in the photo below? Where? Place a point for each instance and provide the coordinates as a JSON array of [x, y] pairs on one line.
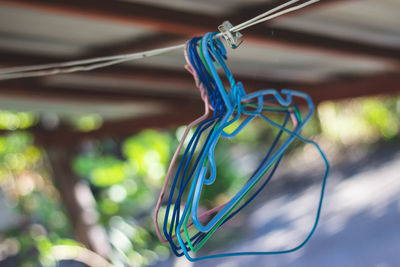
[[361, 120], [125, 188], [25, 183], [12, 120], [149, 152], [381, 115], [87, 123], [102, 171]]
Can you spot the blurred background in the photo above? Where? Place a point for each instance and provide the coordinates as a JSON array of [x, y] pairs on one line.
[[83, 156]]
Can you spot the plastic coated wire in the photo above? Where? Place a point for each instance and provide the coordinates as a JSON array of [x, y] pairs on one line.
[[176, 215], [231, 215], [178, 219], [245, 204], [78, 65], [204, 96], [272, 252], [200, 173], [185, 161], [281, 251], [177, 202], [181, 190], [177, 208]]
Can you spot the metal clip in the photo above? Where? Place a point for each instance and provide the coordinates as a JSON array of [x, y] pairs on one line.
[[234, 39]]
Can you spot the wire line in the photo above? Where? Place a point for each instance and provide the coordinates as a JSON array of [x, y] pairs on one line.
[[101, 62]]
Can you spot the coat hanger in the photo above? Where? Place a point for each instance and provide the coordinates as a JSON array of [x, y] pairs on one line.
[[229, 106]]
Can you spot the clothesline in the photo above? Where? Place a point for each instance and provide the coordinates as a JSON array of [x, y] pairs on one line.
[[101, 62]]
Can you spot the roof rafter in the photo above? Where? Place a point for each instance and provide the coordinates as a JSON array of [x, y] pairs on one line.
[[93, 95], [180, 113], [379, 84], [248, 10]]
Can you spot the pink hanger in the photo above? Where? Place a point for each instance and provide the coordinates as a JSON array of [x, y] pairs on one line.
[[207, 108]]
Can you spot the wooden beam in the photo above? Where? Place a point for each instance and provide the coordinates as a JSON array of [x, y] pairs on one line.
[[190, 24], [249, 10], [64, 136], [339, 47], [362, 86], [135, 14], [14, 58], [34, 91], [382, 84], [330, 90], [180, 114]]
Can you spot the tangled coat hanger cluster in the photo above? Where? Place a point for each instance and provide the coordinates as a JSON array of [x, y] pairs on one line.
[[231, 108]]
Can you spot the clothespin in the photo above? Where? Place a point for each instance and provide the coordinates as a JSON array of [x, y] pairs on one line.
[[234, 39]]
